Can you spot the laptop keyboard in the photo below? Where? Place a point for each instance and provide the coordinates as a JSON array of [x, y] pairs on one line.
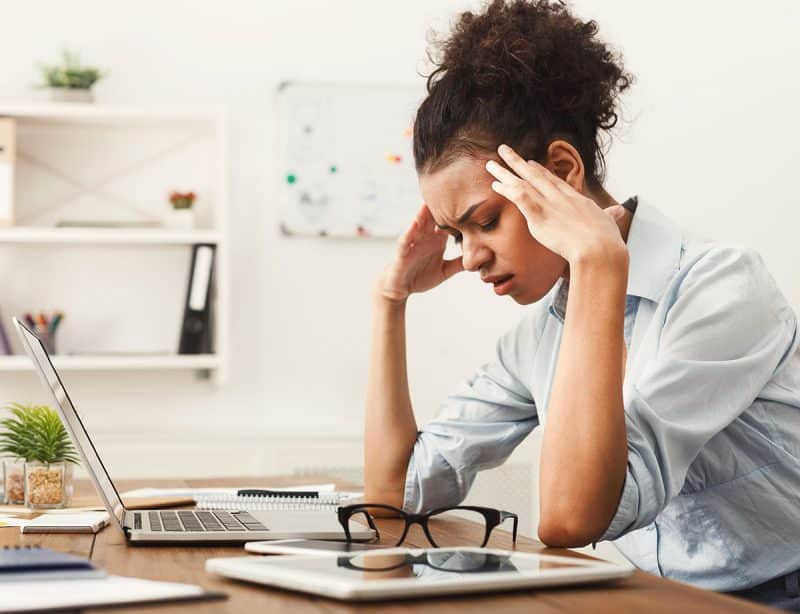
[[197, 521]]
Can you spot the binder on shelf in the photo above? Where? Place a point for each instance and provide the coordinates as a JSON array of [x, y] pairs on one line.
[[196, 333], [7, 157], [5, 346]]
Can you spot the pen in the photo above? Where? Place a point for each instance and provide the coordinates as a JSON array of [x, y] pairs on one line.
[[55, 322], [42, 323], [29, 320]]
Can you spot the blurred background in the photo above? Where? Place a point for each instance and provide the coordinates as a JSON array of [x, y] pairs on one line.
[[710, 135]]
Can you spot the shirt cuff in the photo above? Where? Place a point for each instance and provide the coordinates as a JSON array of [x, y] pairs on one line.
[[411, 491], [627, 510]]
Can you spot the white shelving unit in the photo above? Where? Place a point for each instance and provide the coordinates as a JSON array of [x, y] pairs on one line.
[[95, 162], [99, 236], [89, 362]]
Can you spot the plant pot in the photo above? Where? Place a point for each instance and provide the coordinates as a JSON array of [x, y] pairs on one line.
[[13, 481], [180, 219], [71, 94], [47, 486]]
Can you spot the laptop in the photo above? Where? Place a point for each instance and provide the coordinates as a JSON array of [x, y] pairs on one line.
[[176, 526]]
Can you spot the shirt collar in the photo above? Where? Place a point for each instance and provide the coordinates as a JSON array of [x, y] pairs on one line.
[[654, 248]]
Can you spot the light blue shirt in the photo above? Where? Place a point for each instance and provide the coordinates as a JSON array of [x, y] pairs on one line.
[[712, 411]]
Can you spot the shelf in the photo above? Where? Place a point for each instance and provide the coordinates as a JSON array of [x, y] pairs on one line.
[[104, 113], [90, 362], [162, 236]]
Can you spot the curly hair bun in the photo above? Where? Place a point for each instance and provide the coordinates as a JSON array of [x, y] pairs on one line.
[[521, 72]]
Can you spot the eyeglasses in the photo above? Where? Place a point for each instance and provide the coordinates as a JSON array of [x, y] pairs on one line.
[[435, 524]]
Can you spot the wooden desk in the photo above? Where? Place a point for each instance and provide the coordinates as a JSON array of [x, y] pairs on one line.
[[639, 593]]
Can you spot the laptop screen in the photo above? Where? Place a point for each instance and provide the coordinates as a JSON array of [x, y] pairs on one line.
[[72, 421]]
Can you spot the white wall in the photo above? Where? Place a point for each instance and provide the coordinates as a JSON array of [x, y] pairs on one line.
[[714, 141]]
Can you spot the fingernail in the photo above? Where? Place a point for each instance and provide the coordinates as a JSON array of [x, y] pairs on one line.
[[503, 149], [489, 164]]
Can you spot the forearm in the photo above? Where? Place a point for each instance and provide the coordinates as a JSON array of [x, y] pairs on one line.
[[390, 430], [584, 449]]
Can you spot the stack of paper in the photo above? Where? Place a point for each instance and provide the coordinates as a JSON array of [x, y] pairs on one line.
[[112, 590]]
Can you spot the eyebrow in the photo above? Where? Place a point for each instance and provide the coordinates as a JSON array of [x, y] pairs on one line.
[[464, 216]]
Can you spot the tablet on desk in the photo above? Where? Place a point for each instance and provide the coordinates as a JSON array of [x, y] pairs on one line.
[[308, 546], [408, 573]]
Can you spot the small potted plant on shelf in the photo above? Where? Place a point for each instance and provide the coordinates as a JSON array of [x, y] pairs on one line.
[[36, 440], [182, 213], [69, 81]]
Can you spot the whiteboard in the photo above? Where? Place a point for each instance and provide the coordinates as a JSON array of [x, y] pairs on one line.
[[346, 159]]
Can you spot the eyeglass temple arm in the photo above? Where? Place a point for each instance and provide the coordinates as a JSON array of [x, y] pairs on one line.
[[343, 520], [372, 525], [505, 516]]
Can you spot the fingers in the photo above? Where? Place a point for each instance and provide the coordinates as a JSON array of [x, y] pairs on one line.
[[406, 239], [521, 196], [451, 267], [422, 228], [535, 174], [513, 188], [502, 174]]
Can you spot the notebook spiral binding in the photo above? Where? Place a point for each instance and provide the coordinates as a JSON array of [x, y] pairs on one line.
[[264, 503]]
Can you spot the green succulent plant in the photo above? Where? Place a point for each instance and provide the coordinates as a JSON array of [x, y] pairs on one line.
[[35, 433], [70, 74]]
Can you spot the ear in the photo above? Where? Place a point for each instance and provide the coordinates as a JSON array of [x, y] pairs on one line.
[[565, 161]]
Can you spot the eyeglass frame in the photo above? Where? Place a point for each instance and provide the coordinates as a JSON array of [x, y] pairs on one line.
[[493, 517]]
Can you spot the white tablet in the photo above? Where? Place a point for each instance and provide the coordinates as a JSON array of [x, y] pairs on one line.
[[407, 573], [308, 546]]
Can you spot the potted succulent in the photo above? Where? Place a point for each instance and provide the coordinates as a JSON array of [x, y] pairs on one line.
[[69, 81], [36, 440], [182, 215]]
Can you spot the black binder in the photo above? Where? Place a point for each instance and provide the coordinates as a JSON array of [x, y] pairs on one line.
[[196, 333]]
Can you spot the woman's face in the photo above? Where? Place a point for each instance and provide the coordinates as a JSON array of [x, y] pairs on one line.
[[494, 236]]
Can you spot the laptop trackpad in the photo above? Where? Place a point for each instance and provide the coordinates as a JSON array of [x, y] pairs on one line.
[[280, 521]]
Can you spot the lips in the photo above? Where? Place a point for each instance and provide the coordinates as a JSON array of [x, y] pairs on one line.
[[497, 279], [501, 283]]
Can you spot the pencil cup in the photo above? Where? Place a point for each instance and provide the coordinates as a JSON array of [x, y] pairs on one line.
[[48, 339]]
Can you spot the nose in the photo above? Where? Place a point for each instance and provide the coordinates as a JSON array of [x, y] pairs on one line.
[[474, 254]]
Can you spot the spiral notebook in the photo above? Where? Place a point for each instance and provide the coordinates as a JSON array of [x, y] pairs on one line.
[[257, 499]]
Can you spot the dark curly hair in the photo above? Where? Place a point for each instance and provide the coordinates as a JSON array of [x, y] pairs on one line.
[[524, 73]]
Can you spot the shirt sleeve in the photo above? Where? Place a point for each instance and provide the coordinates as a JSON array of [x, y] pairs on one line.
[[727, 331], [477, 427]]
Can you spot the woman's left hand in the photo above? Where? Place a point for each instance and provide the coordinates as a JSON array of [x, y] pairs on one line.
[[559, 217]]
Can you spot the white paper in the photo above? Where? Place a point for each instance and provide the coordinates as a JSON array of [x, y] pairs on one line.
[[26, 596], [18, 509], [12, 521], [80, 521]]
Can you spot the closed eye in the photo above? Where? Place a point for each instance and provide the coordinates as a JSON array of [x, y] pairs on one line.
[[490, 224]]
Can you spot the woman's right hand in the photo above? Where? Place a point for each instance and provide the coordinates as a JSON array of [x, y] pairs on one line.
[[419, 264]]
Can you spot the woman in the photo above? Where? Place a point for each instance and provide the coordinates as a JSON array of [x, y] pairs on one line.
[[666, 369]]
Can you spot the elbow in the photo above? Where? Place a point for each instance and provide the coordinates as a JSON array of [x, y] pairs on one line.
[[562, 531], [563, 536]]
